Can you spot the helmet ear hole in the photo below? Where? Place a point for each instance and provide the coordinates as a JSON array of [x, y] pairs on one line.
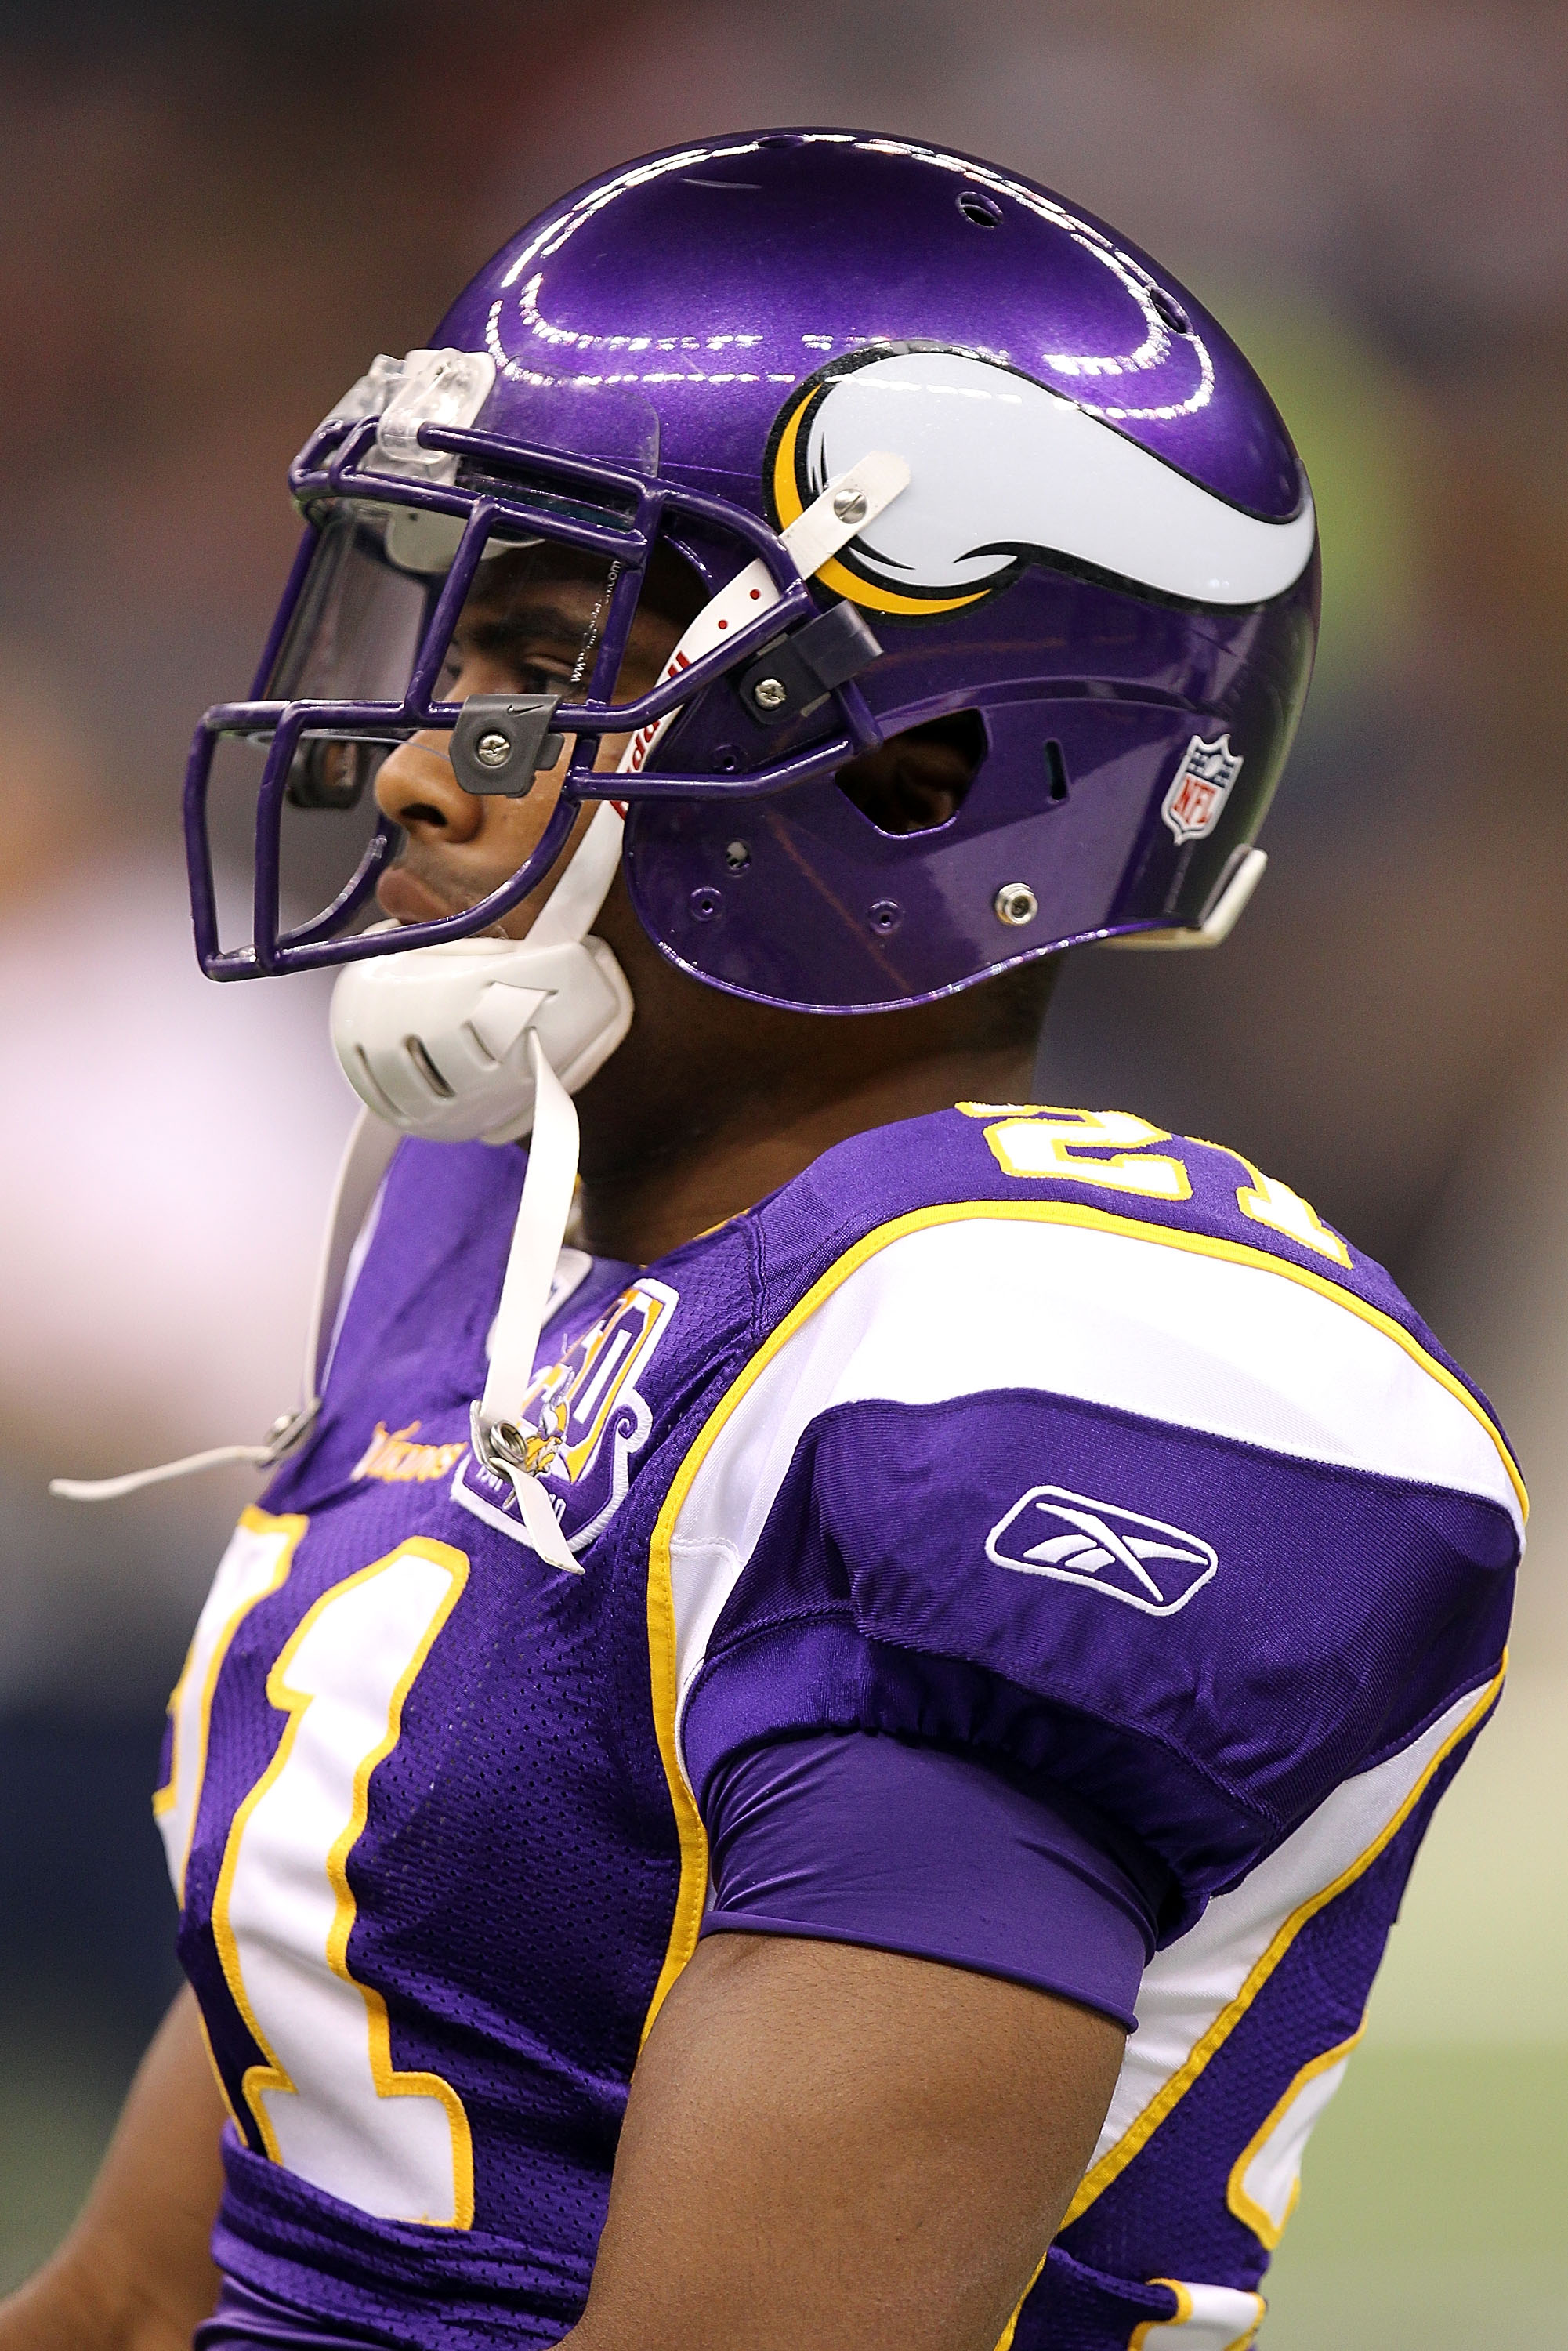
[[917, 781]]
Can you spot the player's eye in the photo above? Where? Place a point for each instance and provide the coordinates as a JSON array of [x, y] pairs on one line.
[[475, 669]]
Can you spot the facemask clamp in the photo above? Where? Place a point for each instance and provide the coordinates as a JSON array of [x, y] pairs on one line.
[[502, 740]]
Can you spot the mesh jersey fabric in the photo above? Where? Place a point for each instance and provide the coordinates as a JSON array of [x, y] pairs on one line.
[[989, 1435]]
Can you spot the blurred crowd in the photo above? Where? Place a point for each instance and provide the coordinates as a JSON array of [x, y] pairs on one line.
[[214, 217]]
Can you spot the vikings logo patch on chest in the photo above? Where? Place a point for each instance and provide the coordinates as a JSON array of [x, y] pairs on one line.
[[584, 1417]]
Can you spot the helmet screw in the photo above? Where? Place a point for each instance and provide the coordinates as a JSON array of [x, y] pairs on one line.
[[704, 905], [885, 915], [770, 692], [1015, 904], [493, 750], [850, 505]]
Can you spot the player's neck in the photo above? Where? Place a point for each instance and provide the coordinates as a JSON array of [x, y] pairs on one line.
[[644, 1208]]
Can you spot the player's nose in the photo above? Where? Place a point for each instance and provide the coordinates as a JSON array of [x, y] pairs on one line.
[[417, 789]]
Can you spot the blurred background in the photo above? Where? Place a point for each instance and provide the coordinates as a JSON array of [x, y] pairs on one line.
[[213, 217]]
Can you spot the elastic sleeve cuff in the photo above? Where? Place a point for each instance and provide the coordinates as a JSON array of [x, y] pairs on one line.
[[853, 1837]]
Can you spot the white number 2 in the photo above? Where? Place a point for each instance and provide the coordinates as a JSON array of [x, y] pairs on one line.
[[326, 2102], [1035, 1143]]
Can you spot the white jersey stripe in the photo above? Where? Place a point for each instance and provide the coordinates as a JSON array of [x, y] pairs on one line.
[[1198, 1988]]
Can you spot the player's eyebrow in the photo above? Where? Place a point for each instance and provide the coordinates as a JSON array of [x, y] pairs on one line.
[[497, 626]]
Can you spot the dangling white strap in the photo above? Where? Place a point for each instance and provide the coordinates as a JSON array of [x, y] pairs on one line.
[[110, 1489], [366, 1158], [499, 1441]]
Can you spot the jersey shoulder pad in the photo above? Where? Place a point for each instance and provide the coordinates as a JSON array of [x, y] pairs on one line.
[[1090, 1443], [1034, 1200]]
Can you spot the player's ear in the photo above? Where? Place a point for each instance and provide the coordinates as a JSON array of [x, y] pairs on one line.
[[919, 779]]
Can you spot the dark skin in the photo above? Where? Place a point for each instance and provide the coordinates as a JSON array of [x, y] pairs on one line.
[[824, 2146]]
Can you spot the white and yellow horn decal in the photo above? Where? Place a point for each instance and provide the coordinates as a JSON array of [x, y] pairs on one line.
[[1004, 472]]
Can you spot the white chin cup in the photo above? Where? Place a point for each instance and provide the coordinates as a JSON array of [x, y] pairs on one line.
[[436, 1041]]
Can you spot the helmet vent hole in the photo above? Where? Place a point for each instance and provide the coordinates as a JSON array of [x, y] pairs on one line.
[[373, 1090], [1167, 309], [920, 779], [782, 139], [984, 212], [1055, 775], [419, 1055]]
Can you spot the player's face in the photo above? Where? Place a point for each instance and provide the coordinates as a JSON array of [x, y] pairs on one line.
[[528, 628]]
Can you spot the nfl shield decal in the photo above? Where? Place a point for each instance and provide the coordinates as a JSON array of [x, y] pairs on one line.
[[1200, 788], [583, 1418], [1145, 1562]]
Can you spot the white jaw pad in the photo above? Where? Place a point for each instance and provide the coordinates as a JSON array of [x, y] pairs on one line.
[[434, 1041], [997, 461]]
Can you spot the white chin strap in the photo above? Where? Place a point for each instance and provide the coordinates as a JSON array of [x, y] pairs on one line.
[[487, 1040]]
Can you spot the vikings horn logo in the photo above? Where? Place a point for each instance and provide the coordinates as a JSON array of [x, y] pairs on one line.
[[1003, 470]]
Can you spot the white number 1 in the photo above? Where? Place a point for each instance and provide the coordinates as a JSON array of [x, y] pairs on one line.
[[326, 2102]]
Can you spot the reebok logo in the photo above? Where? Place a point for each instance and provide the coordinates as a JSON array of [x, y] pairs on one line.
[[1143, 1562]]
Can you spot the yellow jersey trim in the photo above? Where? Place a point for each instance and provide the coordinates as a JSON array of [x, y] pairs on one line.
[[1114, 2161], [1140, 2334], [662, 1659], [213, 2063], [255, 1522], [1005, 2340], [1264, 2227]]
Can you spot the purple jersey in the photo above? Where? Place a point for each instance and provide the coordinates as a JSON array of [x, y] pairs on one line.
[[1038, 1438]]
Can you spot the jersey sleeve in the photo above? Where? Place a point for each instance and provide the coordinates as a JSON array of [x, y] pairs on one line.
[[842, 1838], [1183, 1536]]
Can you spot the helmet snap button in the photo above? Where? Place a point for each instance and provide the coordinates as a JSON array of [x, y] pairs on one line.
[[770, 692], [1015, 904], [493, 750]]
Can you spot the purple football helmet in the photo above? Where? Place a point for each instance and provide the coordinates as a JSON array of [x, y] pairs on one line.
[[1102, 573]]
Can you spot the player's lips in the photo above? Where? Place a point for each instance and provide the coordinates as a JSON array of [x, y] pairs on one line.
[[407, 899]]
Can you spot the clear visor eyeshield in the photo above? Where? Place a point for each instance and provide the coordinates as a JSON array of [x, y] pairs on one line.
[[479, 588]]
